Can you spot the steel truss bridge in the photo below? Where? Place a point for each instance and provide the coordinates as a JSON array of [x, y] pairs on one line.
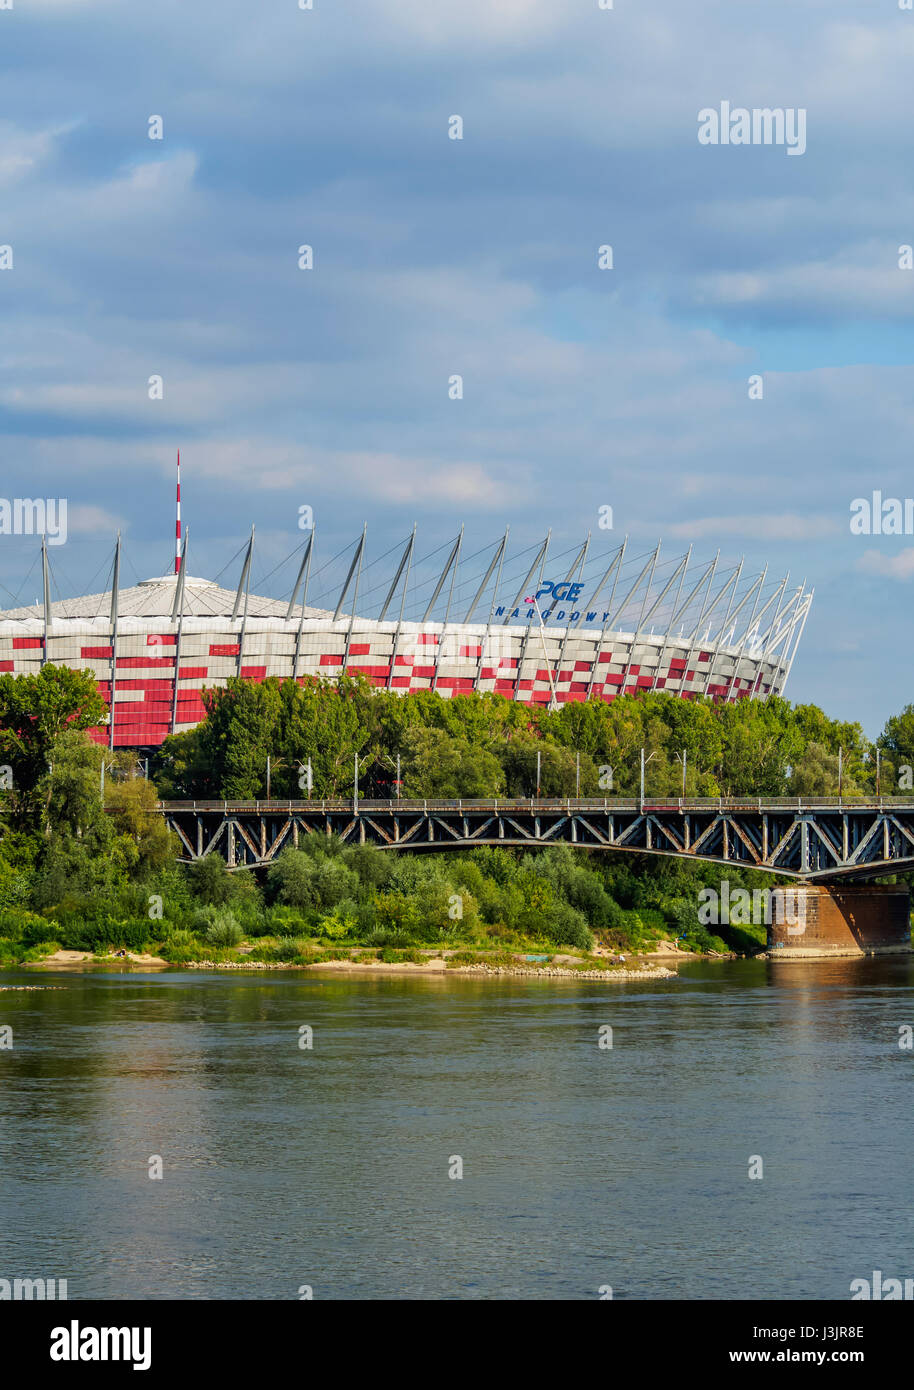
[[813, 840]]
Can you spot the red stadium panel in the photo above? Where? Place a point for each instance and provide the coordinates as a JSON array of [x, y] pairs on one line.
[[471, 651], [327, 660], [191, 673], [253, 673], [22, 644], [427, 639], [375, 671], [161, 639], [224, 649], [140, 663], [88, 653], [144, 685], [360, 649]]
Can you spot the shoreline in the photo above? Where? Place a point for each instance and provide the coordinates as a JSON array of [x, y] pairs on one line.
[[84, 961]]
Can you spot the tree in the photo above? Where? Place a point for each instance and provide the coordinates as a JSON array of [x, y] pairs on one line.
[[435, 764], [130, 804], [34, 711]]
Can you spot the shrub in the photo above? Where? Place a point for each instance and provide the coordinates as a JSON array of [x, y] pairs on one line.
[[218, 926]]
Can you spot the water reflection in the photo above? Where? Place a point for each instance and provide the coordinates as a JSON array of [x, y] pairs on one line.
[[582, 1166]]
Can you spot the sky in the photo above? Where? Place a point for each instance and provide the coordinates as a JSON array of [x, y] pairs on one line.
[[478, 257]]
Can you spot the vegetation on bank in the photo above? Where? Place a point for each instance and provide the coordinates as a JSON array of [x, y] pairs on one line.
[[86, 863]]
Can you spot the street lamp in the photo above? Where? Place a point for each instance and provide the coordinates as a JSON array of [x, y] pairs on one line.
[[644, 761], [681, 758]]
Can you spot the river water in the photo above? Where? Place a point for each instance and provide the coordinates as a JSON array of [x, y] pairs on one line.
[[583, 1166]]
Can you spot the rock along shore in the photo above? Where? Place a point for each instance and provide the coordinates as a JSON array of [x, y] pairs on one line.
[[438, 967]]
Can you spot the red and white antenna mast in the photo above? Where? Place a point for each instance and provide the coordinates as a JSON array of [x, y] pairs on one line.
[[178, 520]]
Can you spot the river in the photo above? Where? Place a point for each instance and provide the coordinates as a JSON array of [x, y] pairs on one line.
[[584, 1167]]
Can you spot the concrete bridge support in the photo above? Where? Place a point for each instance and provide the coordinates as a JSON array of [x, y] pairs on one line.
[[822, 920]]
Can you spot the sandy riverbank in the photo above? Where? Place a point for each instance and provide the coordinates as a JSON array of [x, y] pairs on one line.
[[642, 968]]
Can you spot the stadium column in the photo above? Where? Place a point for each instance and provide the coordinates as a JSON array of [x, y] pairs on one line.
[[745, 637], [447, 611], [672, 622], [541, 561], [46, 578], [616, 565], [115, 581], [177, 617], [578, 568], [772, 627], [405, 564], [496, 559], [303, 573], [244, 588], [355, 596], [716, 646]]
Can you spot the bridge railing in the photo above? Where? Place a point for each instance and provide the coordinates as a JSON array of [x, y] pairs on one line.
[[344, 805]]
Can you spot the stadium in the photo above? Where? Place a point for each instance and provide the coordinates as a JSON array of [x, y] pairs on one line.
[[539, 628]]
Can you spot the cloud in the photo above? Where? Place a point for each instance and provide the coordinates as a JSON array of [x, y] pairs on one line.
[[900, 566], [783, 527], [478, 257]]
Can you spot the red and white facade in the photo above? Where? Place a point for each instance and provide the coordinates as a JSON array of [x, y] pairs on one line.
[[156, 647]]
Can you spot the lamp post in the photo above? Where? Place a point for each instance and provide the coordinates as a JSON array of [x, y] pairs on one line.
[[644, 762], [681, 758]]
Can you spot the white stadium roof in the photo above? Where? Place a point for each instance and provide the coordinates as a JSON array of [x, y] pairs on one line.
[[155, 598]]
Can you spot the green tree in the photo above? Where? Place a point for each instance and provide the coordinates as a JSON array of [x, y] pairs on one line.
[[34, 711]]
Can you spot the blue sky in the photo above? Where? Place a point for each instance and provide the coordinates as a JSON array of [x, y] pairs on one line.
[[433, 257]]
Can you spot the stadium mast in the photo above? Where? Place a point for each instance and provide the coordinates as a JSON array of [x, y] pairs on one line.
[[178, 520]]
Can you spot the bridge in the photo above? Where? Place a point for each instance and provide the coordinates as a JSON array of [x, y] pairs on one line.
[[822, 840]]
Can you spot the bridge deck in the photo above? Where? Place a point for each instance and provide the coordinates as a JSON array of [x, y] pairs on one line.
[[814, 839]]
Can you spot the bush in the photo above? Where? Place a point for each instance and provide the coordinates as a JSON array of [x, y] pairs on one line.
[[218, 926], [568, 927]]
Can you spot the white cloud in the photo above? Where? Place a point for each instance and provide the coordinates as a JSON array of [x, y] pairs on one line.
[[785, 526], [900, 566]]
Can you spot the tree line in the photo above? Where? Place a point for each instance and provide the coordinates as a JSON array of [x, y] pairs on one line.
[[484, 745]]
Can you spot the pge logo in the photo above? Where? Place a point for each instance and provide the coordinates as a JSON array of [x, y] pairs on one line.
[[563, 592]]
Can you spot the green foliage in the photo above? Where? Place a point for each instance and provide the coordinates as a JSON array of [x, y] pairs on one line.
[[218, 926], [35, 710]]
